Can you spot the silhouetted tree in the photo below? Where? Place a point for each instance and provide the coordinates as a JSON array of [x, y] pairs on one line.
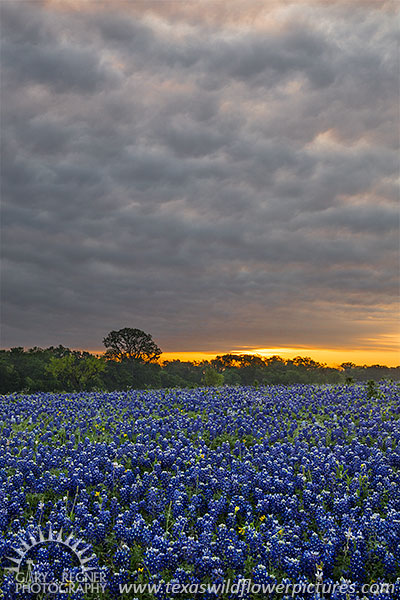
[[131, 344]]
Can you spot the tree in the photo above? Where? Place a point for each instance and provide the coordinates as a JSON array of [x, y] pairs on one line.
[[75, 373], [131, 344], [347, 366], [212, 378]]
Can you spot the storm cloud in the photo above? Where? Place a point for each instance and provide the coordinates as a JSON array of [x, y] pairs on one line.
[[219, 178]]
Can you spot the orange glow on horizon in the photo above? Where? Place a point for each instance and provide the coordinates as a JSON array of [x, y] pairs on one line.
[[333, 357]]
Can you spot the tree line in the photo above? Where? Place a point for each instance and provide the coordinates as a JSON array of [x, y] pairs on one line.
[[132, 360]]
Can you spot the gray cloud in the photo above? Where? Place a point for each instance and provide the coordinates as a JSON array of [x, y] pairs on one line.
[[215, 182]]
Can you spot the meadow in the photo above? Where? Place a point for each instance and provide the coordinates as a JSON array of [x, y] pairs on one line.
[[291, 485]]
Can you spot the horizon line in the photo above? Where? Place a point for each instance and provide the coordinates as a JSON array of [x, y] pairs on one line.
[[331, 357]]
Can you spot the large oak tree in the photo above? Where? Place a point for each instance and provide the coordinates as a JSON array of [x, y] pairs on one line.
[[131, 344]]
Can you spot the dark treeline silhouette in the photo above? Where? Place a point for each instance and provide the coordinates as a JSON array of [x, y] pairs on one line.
[[62, 369]]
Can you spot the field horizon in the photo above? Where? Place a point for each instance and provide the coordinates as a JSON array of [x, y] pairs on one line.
[[332, 357]]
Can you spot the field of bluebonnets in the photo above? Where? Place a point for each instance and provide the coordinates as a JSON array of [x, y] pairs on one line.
[[273, 484]]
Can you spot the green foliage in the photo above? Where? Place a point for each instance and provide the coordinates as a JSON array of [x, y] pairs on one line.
[[232, 377], [75, 373], [212, 377], [372, 389], [59, 368]]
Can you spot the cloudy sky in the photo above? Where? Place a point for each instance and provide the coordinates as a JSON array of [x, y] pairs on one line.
[[219, 174]]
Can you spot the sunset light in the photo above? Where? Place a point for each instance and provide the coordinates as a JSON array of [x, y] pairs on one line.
[[221, 175]]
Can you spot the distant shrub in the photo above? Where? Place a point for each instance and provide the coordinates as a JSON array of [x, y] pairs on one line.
[[212, 377]]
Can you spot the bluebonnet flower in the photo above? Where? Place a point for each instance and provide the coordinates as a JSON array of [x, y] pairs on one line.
[[192, 484]]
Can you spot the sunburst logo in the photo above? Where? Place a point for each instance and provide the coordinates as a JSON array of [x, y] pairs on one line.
[[78, 547], [87, 578]]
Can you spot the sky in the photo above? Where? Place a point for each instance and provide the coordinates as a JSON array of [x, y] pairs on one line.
[[222, 175]]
